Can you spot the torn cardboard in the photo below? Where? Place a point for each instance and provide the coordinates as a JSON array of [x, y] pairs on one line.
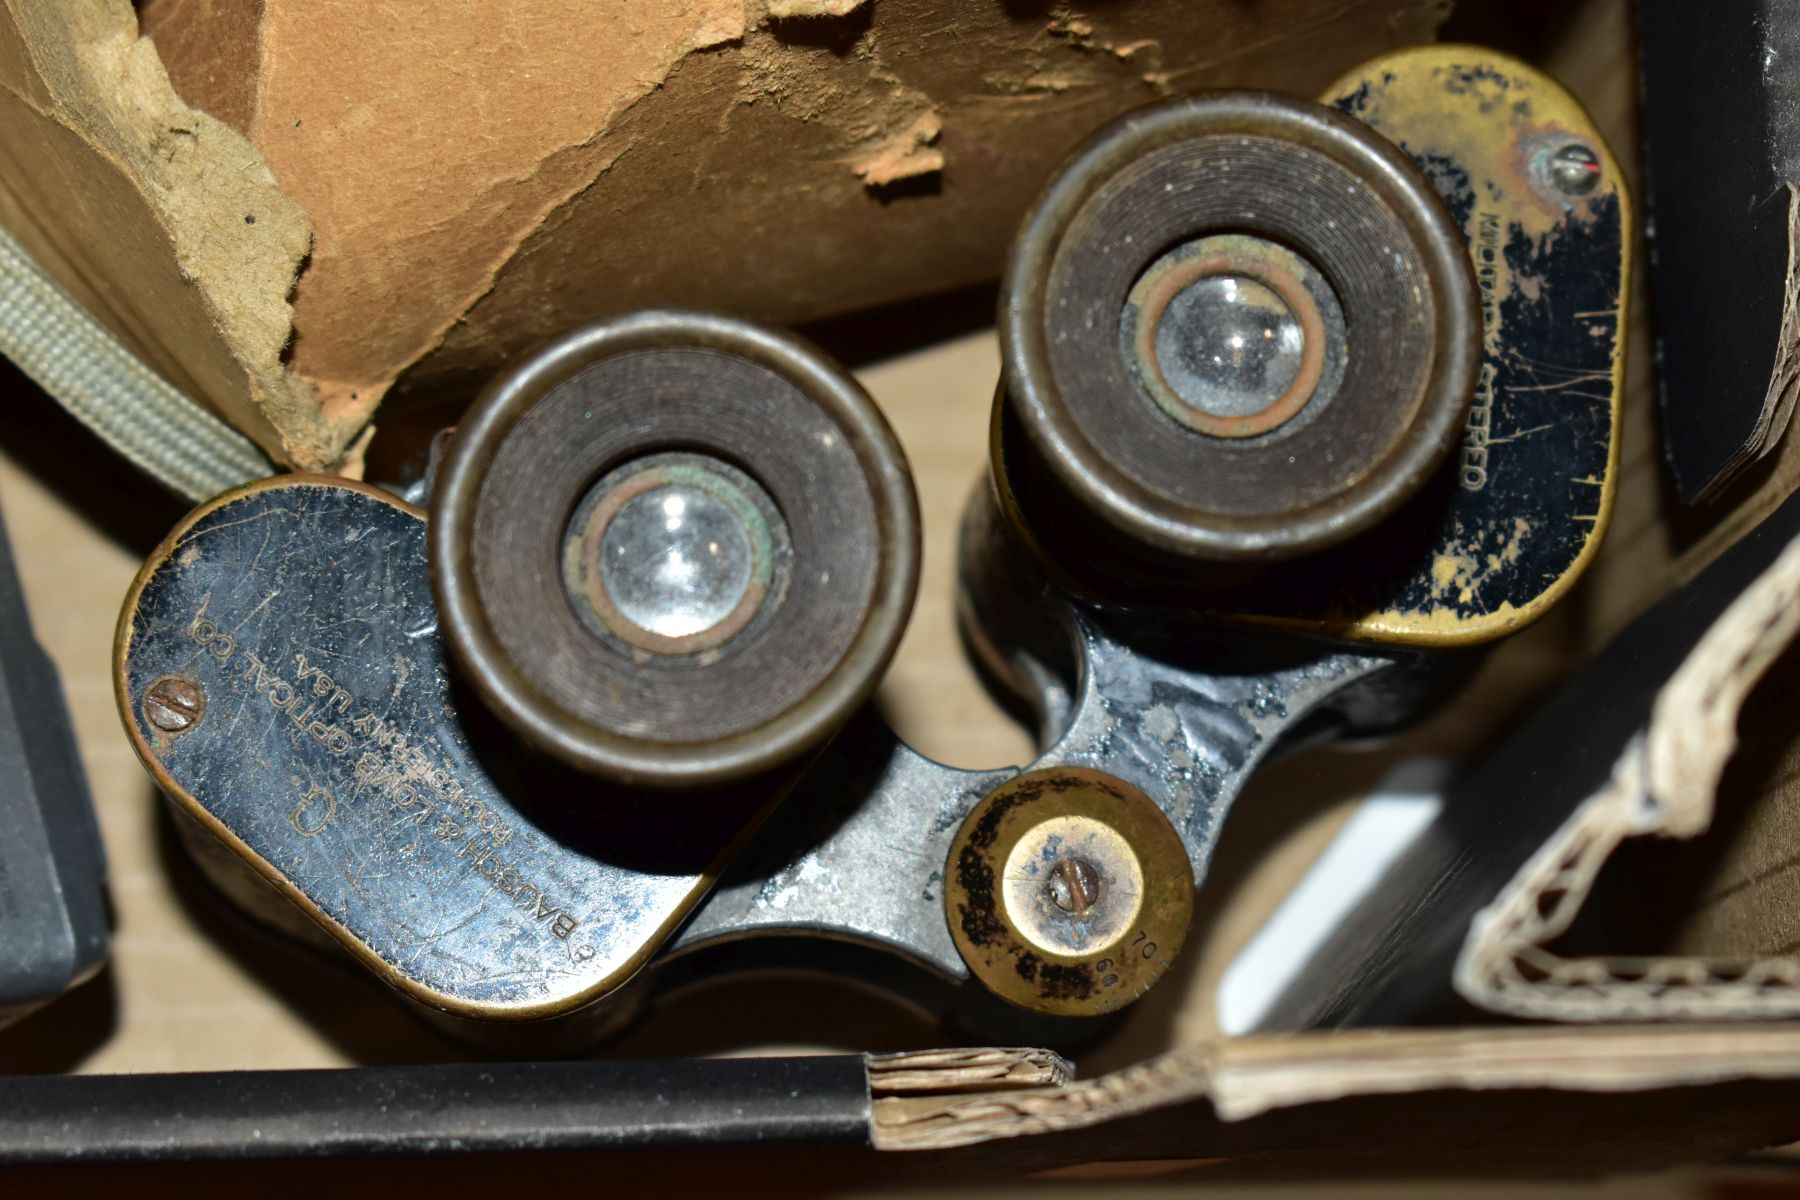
[[1665, 784], [480, 178], [1473, 916], [164, 223], [1510, 1101]]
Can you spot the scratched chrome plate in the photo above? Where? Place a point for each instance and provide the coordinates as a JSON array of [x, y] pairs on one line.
[[335, 751]]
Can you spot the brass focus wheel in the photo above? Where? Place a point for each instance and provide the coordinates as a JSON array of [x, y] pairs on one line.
[[1068, 892]]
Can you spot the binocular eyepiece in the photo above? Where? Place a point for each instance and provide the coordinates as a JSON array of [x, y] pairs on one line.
[[674, 550], [1236, 328]]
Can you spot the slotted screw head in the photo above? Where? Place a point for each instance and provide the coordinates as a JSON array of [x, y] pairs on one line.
[[1575, 169], [173, 704]]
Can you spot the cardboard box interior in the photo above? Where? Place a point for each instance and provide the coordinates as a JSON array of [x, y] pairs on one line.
[[894, 143], [190, 988]]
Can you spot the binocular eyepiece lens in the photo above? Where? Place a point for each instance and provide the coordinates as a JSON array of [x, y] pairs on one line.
[[675, 554], [1234, 336]]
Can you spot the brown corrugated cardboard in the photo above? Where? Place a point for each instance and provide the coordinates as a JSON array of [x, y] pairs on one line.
[[1327, 1081], [479, 178], [168, 226]]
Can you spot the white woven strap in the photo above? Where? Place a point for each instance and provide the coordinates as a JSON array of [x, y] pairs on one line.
[[78, 361]]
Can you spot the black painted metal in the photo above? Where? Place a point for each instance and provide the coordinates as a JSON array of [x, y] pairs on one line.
[[1529, 482], [333, 755], [699, 1104], [339, 756]]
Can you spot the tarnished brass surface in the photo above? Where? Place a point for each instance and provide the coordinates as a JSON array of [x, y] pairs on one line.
[[466, 876], [1536, 469], [1068, 892]]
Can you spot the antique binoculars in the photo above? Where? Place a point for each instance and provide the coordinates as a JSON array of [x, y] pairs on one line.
[[1299, 401]]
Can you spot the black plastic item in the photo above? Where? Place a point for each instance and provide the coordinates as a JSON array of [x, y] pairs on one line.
[[1390, 961], [1720, 94], [469, 1108], [53, 919]]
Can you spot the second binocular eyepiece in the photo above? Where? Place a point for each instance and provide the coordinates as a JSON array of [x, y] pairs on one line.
[[1235, 328]]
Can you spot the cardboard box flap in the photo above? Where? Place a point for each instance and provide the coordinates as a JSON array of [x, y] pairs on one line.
[[943, 1072], [160, 220], [1316, 1093], [1524, 829], [485, 177], [1666, 783]]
